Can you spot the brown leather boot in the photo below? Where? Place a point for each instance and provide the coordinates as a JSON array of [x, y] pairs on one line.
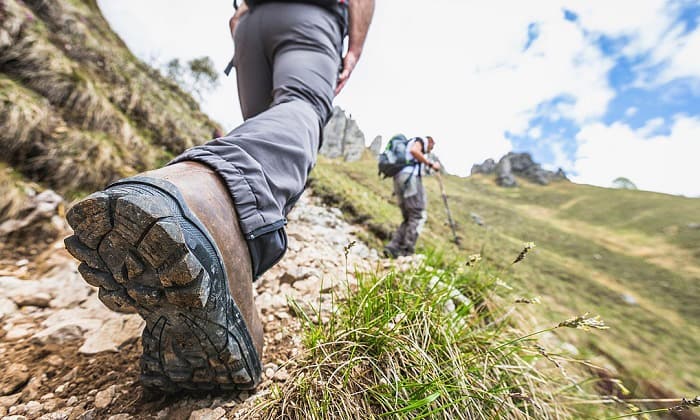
[[167, 244]]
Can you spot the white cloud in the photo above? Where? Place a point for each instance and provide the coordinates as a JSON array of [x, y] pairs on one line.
[[535, 132], [455, 69], [458, 70], [655, 163]]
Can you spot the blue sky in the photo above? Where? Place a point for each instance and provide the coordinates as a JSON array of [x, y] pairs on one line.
[[646, 100], [602, 89]]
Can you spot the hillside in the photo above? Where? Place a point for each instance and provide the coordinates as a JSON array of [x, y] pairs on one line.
[[420, 337], [632, 257], [77, 109]]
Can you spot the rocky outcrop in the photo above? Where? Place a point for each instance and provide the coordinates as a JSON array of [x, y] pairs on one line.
[[376, 146], [342, 137], [520, 165]]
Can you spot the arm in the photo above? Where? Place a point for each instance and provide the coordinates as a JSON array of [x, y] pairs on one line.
[[417, 153], [242, 9], [361, 12]]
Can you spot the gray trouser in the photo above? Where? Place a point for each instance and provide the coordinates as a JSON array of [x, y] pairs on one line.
[[287, 60], [411, 195]]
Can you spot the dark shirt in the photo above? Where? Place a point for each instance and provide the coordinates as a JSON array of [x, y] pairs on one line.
[[338, 7]]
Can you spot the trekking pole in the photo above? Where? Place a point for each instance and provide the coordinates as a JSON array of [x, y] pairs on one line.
[[447, 208]]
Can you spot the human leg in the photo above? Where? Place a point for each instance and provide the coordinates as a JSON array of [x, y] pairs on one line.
[[266, 161]]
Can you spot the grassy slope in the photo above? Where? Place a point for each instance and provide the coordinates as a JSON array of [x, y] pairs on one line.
[[595, 246], [77, 109]]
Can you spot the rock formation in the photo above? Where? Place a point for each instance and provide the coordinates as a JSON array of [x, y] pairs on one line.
[[376, 146], [342, 137], [520, 165]]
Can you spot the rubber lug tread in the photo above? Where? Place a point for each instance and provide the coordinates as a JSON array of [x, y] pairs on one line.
[[133, 247]]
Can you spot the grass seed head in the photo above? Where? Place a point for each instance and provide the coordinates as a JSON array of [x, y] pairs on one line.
[[528, 247], [532, 301], [473, 260], [686, 404], [584, 322]]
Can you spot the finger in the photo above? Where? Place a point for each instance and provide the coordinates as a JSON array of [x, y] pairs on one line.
[[340, 86]]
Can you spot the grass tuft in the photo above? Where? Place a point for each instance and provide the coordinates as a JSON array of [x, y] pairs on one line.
[[429, 342]]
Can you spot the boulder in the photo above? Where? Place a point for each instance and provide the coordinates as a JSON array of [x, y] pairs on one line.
[[504, 176], [487, 168], [376, 146], [342, 137]]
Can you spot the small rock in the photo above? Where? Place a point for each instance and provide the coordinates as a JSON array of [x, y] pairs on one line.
[[122, 416], [48, 396], [310, 285], [88, 415], [62, 414], [7, 307], [14, 418], [72, 401], [270, 373], [33, 409], [208, 414], [58, 334], [22, 262], [52, 404], [19, 331], [40, 300], [629, 299], [104, 398], [281, 375], [55, 360], [14, 378], [113, 334], [9, 400], [477, 219], [33, 389]]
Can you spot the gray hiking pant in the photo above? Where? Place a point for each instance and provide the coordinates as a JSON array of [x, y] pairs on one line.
[[287, 59], [411, 195]]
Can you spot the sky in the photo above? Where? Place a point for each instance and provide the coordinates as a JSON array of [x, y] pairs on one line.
[[602, 89]]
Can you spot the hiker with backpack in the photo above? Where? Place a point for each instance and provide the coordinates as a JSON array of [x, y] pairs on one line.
[[181, 245], [405, 160]]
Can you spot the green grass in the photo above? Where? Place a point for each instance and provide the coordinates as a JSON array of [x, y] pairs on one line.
[[434, 341], [597, 249]]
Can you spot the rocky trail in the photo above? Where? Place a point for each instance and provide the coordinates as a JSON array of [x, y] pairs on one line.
[[63, 355]]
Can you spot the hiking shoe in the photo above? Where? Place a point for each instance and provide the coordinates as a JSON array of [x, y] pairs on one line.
[[147, 252], [390, 252]]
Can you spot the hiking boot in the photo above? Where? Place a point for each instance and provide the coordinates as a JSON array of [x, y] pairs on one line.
[[390, 252], [167, 245]]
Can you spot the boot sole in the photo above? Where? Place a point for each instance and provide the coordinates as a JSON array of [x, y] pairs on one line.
[[147, 253]]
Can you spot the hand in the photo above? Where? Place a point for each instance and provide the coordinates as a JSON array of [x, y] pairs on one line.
[[436, 166], [349, 63], [233, 22]]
